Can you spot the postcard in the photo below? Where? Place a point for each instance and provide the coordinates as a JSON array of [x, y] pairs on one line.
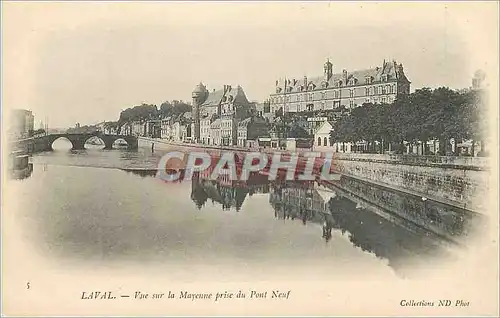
[[250, 158]]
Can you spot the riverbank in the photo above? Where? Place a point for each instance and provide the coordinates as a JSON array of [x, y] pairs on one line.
[[458, 182]]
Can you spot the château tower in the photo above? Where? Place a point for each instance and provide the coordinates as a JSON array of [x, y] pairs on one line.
[[199, 95]]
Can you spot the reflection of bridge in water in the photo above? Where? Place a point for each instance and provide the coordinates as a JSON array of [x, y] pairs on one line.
[[44, 143]]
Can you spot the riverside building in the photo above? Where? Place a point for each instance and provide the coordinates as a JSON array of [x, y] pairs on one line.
[[381, 84]]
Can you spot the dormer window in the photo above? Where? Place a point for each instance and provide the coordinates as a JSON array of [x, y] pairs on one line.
[[325, 84], [384, 78], [278, 89]]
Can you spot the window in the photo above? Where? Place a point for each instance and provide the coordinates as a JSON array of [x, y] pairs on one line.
[[394, 89], [351, 93], [388, 89], [325, 142], [319, 141], [373, 90], [367, 91], [380, 90], [383, 100], [351, 104], [383, 90]]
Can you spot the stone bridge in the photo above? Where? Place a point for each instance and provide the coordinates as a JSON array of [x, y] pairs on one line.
[[44, 143]]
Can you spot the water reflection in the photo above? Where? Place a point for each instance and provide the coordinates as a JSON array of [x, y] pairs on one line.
[[311, 202], [368, 228]]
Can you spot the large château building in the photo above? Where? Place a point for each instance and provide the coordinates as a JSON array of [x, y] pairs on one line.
[[381, 84]]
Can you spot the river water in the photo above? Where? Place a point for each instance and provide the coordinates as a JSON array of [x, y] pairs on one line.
[[83, 206]]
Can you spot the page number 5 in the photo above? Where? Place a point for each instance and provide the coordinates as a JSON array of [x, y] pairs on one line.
[[28, 285]]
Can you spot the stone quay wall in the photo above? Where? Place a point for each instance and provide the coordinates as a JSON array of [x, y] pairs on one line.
[[458, 181]]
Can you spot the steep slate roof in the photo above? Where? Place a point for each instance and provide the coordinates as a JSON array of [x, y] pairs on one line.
[[388, 68], [239, 97], [214, 98]]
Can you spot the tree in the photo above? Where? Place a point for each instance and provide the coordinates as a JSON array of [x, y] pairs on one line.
[[297, 131], [424, 115]]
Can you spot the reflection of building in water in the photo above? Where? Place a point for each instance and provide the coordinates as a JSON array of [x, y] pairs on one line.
[[305, 201], [364, 228], [229, 193], [24, 173]]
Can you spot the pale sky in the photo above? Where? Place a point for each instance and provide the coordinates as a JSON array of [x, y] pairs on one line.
[[86, 61]]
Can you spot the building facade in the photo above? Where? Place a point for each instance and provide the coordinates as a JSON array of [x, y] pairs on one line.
[[22, 124], [382, 84], [216, 114], [251, 129]]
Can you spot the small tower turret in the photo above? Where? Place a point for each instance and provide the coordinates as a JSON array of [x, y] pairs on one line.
[[199, 96], [328, 70]]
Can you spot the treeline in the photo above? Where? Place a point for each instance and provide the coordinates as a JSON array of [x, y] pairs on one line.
[[426, 114], [149, 111]]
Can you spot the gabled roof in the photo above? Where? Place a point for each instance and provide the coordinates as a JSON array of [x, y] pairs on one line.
[[323, 124], [235, 95], [238, 96]]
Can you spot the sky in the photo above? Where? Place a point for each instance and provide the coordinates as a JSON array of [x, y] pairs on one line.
[[84, 62]]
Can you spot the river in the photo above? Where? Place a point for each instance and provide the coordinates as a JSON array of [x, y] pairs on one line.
[[83, 206]]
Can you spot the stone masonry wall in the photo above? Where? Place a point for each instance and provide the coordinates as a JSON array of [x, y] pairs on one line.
[[455, 181]]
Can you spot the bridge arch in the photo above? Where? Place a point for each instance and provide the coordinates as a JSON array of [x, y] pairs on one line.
[[89, 142], [120, 142], [61, 143]]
